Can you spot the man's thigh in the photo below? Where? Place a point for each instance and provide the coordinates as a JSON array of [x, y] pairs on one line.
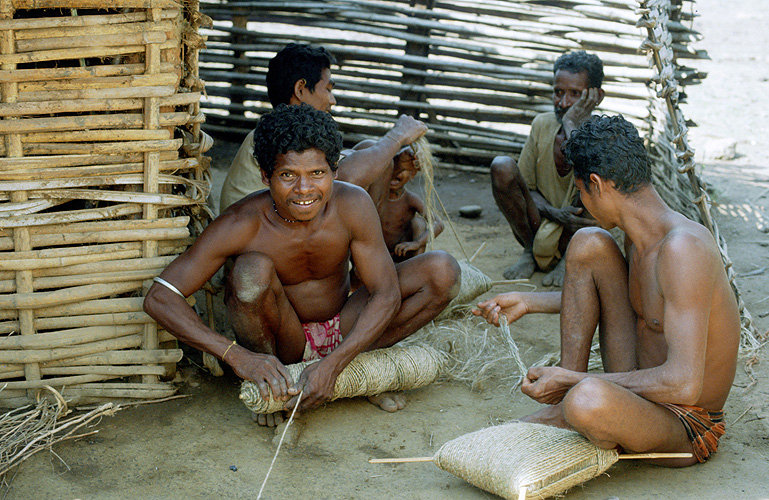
[[611, 415]]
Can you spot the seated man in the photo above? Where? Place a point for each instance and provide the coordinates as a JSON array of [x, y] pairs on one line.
[[302, 74], [537, 195], [287, 293], [667, 318]]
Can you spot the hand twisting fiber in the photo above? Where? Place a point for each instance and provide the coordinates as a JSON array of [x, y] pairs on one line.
[[370, 373]]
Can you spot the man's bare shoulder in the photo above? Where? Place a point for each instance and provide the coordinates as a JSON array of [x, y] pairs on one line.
[[689, 246], [249, 205]]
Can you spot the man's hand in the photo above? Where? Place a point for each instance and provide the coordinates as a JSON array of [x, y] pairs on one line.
[[264, 370], [407, 130], [512, 305], [401, 249], [581, 110], [569, 218], [547, 384], [316, 383]]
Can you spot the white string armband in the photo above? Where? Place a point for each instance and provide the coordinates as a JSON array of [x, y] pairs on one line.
[[168, 285]]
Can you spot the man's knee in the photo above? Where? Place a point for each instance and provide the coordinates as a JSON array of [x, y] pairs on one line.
[[443, 273], [250, 276], [504, 170], [591, 244], [586, 404]]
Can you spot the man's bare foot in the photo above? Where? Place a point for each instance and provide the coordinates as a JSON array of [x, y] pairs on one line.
[[555, 277], [389, 401], [549, 415], [523, 269], [291, 439], [268, 419]]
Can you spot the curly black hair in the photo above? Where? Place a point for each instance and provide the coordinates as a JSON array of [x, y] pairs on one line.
[[579, 61], [293, 63], [610, 147], [295, 128]]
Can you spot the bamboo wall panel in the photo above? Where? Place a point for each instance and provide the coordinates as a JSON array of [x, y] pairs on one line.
[[102, 183]]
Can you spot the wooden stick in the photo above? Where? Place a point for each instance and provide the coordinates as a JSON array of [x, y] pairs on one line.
[[510, 282], [625, 456], [477, 252]]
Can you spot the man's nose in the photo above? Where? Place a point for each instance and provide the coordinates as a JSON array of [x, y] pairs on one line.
[[302, 184], [564, 101]]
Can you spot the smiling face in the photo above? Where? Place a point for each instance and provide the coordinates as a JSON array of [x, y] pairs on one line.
[[301, 184], [567, 89]]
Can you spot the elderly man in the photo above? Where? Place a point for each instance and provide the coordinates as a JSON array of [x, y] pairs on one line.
[[537, 195]]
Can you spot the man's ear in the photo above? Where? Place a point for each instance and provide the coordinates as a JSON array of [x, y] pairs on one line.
[[601, 95], [265, 179], [300, 88], [597, 183]]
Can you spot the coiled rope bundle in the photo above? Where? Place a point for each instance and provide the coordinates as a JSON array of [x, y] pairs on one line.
[[396, 368]]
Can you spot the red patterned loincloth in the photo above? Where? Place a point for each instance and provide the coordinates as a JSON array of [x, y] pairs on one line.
[[322, 338], [703, 427]]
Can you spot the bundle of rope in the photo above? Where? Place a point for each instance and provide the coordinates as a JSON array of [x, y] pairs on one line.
[[396, 368], [521, 459]]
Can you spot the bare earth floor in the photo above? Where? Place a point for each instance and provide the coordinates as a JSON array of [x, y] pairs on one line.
[[187, 448]]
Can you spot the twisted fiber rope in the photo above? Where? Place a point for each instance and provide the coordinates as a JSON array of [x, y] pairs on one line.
[[426, 163], [370, 373], [502, 459]]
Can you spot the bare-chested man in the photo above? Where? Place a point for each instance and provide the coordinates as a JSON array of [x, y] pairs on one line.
[[537, 195], [287, 293], [301, 74], [667, 318]]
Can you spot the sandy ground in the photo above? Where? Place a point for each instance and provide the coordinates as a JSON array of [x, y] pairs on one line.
[[205, 446]]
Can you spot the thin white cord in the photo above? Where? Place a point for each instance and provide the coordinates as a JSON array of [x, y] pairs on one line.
[[280, 443]]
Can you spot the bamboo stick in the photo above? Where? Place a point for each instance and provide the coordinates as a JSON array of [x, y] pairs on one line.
[[100, 306], [622, 456], [125, 318], [167, 78], [137, 357], [34, 300], [93, 253], [106, 70], [111, 371], [111, 391], [100, 40], [97, 93], [55, 30], [78, 53], [82, 227], [98, 135], [23, 24], [55, 382], [93, 4], [67, 338], [91, 122]]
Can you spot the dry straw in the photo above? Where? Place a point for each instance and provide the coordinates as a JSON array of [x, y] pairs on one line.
[[370, 373]]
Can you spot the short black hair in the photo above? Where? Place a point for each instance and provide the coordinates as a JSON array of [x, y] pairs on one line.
[[610, 147], [295, 62], [295, 128], [579, 61]]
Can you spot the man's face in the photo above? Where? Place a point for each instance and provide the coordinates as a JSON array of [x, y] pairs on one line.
[[321, 97], [592, 202], [301, 184], [567, 89]]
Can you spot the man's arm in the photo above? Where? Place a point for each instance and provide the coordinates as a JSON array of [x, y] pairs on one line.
[[222, 238], [377, 272], [419, 230], [568, 216], [515, 305], [363, 167], [684, 277]]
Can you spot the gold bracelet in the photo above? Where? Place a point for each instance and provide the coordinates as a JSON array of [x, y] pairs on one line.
[[228, 349]]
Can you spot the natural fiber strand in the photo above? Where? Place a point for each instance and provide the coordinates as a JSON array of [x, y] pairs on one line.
[[474, 284], [280, 443], [503, 459], [26, 430], [426, 164], [396, 368]]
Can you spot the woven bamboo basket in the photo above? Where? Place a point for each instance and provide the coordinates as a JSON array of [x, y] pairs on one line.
[[102, 182]]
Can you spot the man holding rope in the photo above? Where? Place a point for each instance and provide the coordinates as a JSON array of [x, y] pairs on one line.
[[537, 195], [667, 317], [302, 74], [287, 295]]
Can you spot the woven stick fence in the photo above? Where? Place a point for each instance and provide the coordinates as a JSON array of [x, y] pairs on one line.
[[102, 183], [477, 72]]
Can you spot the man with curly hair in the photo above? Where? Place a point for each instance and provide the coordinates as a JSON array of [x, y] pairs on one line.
[[537, 194], [287, 294], [301, 74], [667, 317]]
